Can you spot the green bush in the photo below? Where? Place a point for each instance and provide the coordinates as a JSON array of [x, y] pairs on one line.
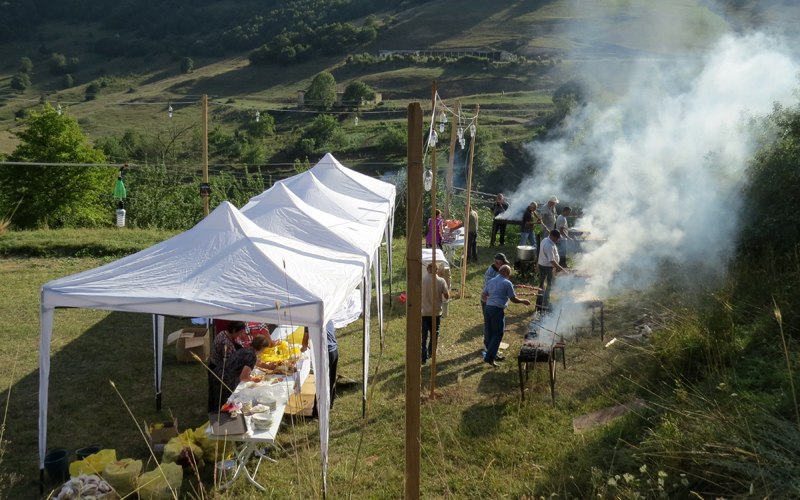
[[92, 90], [20, 81], [67, 82], [321, 93], [26, 65], [322, 129], [57, 63], [356, 92], [187, 65], [394, 141], [262, 128]]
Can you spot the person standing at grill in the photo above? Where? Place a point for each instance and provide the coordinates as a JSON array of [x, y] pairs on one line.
[[472, 236], [497, 293], [548, 261], [500, 206], [563, 236], [427, 309], [548, 215], [527, 235]]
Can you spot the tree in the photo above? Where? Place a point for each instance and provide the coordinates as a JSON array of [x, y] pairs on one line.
[[355, 92], [20, 81], [582, 88], [367, 34], [394, 141], [370, 20], [67, 82], [56, 196], [57, 63], [92, 90], [322, 91], [263, 127], [322, 129], [187, 65], [26, 65]]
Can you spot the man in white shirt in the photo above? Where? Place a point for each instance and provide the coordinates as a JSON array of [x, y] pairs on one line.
[[563, 235], [548, 260], [428, 295]]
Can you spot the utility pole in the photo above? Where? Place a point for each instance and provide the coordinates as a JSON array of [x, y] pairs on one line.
[[434, 233], [469, 204], [204, 189], [453, 139], [413, 300]]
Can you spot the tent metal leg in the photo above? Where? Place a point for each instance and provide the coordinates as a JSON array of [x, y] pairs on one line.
[[158, 402]]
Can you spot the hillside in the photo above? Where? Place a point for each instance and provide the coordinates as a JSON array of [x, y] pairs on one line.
[[603, 38]]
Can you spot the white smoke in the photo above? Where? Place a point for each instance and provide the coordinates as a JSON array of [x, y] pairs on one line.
[[668, 162]]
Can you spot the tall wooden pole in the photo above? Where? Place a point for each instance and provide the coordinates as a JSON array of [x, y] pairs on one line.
[[435, 245], [449, 189], [413, 299], [469, 204], [205, 152]]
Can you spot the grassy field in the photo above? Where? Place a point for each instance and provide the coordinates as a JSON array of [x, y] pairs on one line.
[[479, 440]]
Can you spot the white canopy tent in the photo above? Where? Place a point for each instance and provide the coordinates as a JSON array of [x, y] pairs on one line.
[[225, 267]]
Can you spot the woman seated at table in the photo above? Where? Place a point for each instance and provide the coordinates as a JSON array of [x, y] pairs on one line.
[[238, 367]]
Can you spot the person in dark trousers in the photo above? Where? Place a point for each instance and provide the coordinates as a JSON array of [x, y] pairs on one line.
[[427, 310], [472, 236], [562, 226], [548, 261], [497, 293], [500, 260], [500, 206], [333, 361]]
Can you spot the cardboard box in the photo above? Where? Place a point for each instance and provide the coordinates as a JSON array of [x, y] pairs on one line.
[[191, 340], [159, 437]]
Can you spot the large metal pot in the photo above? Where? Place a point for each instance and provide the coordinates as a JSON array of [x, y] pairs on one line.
[[526, 252]]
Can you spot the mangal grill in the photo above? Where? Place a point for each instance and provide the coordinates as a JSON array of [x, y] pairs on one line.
[[540, 345], [593, 302]]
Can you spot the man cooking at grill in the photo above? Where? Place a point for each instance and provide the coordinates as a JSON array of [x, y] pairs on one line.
[[500, 260], [548, 261], [497, 293], [563, 230], [548, 215], [500, 206]]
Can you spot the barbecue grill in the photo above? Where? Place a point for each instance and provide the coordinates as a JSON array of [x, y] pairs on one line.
[[593, 302], [539, 346]]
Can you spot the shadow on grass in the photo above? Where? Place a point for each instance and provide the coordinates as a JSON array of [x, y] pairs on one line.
[[84, 409]]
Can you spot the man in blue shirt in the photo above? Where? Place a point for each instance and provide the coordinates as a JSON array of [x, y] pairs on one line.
[[497, 293], [494, 270]]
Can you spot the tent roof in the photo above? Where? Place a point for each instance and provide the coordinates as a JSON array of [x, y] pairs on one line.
[[225, 267], [347, 181], [282, 212]]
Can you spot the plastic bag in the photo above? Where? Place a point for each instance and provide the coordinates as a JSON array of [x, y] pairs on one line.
[[93, 464], [160, 483], [174, 448], [208, 446], [122, 474]]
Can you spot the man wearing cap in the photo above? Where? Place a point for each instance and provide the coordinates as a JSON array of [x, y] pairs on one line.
[[548, 260], [497, 292], [428, 295], [491, 273], [548, 215]]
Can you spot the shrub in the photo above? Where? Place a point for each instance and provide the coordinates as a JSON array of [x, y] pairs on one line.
[[322, 129], [394, 141], [582, 88], [57, 63], [187, 65], [262, 128], [67, 81], [26, 65], [20, 81], [92, 90], [366, 35]]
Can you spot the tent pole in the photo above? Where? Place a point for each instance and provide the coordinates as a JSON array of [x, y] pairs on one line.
[[413, 300], [205, 153], [453, 137], [434, 230], [469, 207], [365, 316]]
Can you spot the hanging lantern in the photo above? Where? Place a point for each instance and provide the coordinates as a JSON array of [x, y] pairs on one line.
[[434, 138], [472, 130], [258, 116], [356, 121], [460, 132], [427, 180], [120, 215], [441, 127], [462, 141], [170, 110], [58, 109], [442, 117]]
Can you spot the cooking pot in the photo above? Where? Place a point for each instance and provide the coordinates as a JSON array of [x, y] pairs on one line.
[[526, 252]]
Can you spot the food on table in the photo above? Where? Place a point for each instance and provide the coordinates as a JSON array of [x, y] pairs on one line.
[[86, 487]]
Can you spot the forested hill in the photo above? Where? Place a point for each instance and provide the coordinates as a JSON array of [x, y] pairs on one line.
[[197, 27]]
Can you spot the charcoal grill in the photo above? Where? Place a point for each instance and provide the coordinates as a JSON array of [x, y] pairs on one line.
[[538, 348], [593, 302]]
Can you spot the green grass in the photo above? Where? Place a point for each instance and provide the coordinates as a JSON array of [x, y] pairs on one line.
[[108, 242], [477, 432]]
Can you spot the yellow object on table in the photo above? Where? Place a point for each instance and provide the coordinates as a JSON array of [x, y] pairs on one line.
[[297, 336], [282, 352]]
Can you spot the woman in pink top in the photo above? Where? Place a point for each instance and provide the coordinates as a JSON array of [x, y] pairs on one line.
[[439, 229]]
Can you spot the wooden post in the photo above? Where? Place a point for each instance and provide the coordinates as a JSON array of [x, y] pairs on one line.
[[469, 204], [413, 300], [435, 246], [449, 188], [205, 152]]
